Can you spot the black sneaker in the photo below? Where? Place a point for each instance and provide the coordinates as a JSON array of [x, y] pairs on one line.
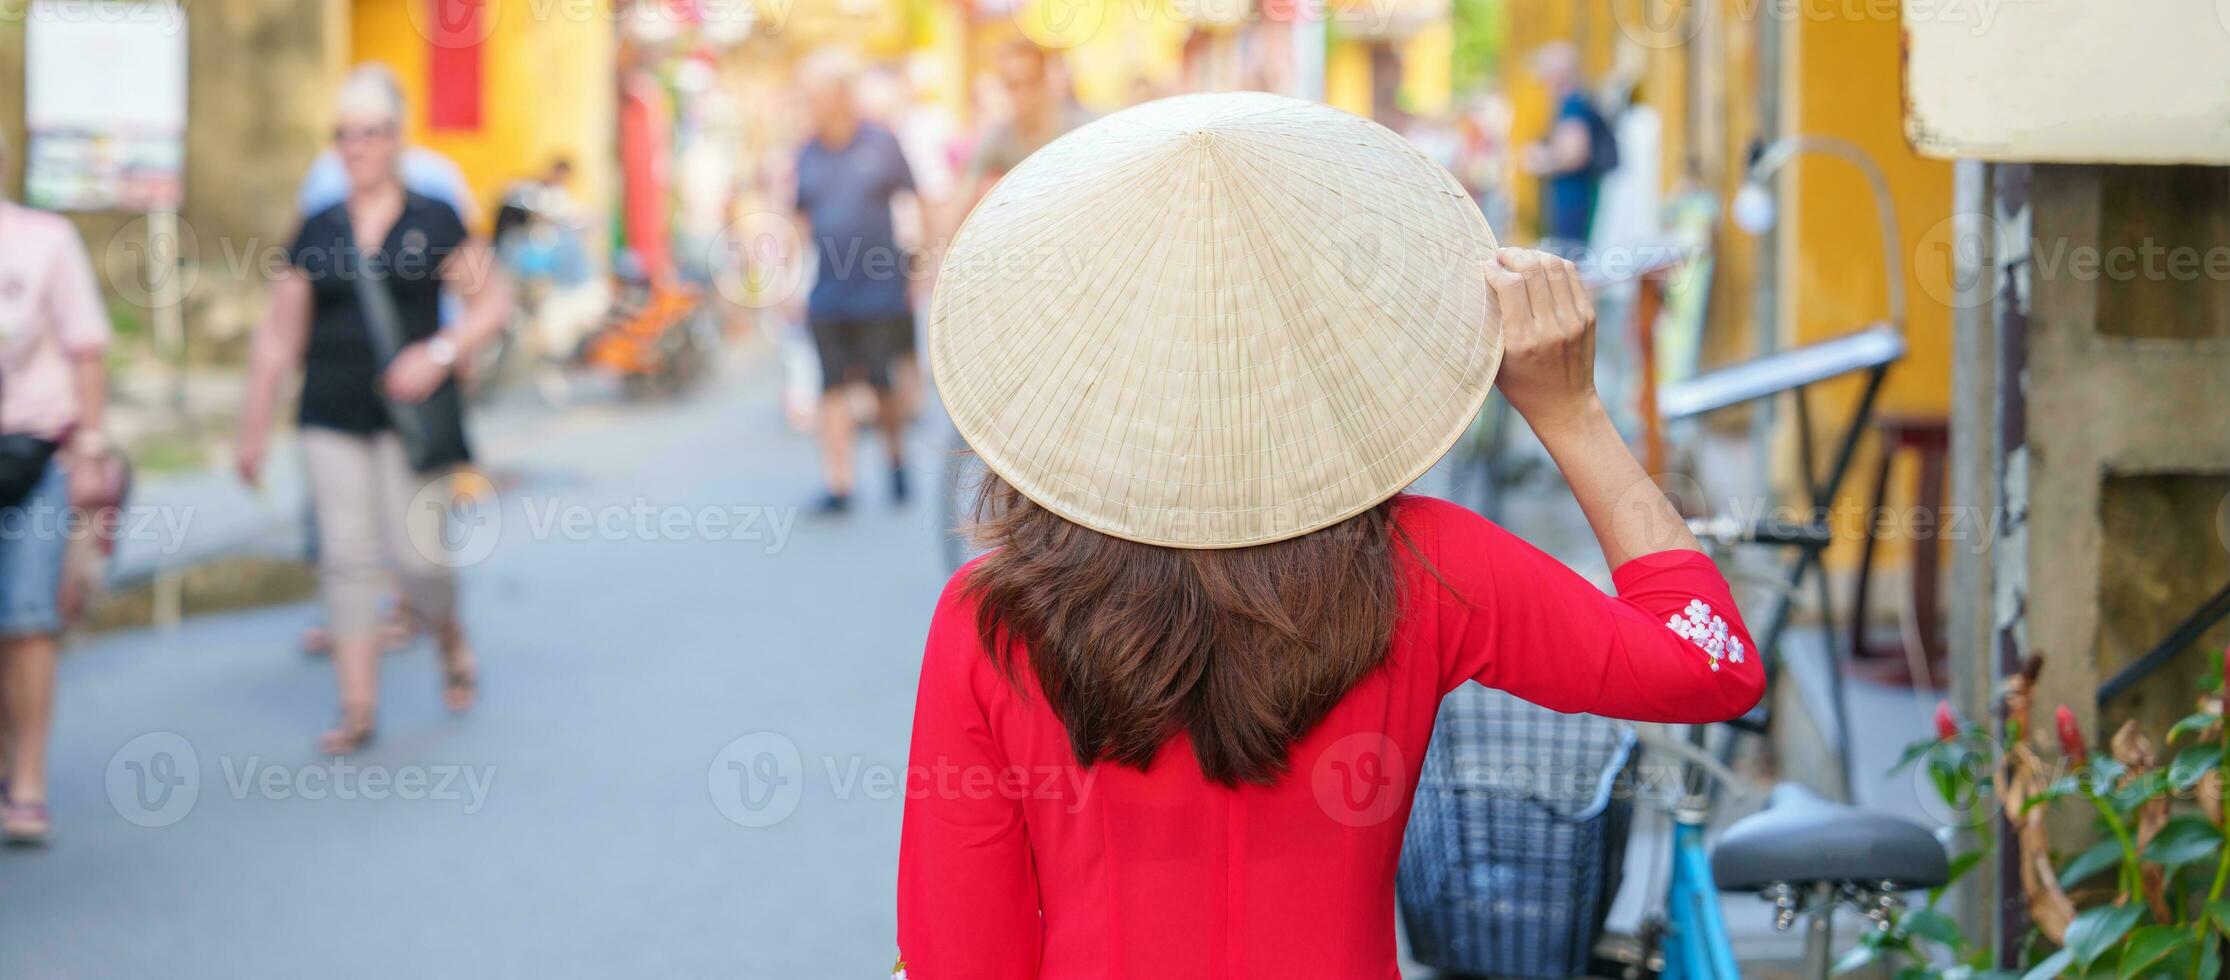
[[898, 485], [833, 505]]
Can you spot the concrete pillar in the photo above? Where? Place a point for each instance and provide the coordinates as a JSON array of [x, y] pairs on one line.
[[2092, 431]]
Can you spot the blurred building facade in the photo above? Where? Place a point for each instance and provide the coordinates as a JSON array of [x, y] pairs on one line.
[[1725, 81]]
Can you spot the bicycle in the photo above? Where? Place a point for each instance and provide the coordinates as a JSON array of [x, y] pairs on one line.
[[1475, 898], [1803, 853]]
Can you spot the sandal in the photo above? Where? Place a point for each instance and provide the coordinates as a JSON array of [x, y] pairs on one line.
[[460, 683], [460, 689], [25, 824], [354, 731]]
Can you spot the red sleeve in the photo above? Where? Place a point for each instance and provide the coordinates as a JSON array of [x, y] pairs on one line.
[[1669, 647], [967, 893]]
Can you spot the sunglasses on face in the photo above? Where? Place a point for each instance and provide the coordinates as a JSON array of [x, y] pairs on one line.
[[345, 135]]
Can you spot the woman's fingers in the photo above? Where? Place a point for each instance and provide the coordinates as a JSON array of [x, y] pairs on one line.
[[1563, 280], [1582, 300], [1540, 294], [1507, 304]]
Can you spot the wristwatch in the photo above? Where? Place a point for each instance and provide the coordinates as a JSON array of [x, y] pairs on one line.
[[442, 350]]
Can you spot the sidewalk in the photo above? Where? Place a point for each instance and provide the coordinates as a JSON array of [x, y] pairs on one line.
[[186, 520]]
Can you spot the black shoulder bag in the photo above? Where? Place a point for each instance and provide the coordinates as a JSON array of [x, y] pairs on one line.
[[433, 430], [23, 462]]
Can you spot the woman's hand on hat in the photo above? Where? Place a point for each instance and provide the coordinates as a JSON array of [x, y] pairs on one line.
[[1548, 336]]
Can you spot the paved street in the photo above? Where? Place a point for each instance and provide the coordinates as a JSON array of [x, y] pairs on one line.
[[567, 828], [655, 623]]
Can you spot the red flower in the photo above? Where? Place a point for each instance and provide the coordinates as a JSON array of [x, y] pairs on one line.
[[2071, 736], [1947, 726]]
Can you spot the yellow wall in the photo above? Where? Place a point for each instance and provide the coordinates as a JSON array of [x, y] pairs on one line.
[[549, 92], [1427, 68], [1347, 75], [1138, 39], [1845, 81], [1840, 77], [1107, 44]]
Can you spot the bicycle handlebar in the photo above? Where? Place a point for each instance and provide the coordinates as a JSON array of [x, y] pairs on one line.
[[1730, 781], [1771, 532]]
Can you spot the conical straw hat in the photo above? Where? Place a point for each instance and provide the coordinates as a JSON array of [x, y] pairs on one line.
[[1214, 321]]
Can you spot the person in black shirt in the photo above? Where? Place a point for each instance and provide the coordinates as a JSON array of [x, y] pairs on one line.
[[371, 506]]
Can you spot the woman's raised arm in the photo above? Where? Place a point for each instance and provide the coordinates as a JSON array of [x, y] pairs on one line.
[[1669, 646], [1548, 374]]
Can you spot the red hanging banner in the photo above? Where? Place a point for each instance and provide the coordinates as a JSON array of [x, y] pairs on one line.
[[456, 31]]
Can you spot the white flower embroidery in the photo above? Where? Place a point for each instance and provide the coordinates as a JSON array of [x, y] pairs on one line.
[[1697, 625]]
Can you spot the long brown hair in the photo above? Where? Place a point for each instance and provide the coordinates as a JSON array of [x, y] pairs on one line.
[[1243, 649]]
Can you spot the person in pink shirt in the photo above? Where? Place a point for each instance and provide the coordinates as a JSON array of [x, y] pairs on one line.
[[53, 331]]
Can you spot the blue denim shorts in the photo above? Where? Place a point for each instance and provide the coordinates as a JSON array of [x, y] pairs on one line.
[[33, 542]]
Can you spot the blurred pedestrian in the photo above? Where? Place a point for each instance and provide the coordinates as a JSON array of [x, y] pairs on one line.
[[424, 171], [54, 330], [925, 131], [1039, 110], [1176, 717], [1572, 159], [383, 241], [324, 185], [851, 175]]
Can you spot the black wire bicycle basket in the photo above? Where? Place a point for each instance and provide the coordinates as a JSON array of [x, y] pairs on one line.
[[1517, 837]]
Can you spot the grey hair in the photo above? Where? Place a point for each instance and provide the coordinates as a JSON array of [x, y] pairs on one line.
[[371, 89], [831, 67]]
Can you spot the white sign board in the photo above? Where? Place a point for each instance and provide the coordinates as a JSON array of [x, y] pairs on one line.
[[105, 104], [2069, 80]]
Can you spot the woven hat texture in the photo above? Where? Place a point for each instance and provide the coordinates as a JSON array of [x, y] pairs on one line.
[[1214, 321]]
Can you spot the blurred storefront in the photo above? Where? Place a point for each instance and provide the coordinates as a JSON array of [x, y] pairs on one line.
[[501, 87]]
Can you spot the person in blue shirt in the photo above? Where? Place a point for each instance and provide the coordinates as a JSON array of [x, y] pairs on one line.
[[850, 176], [1573, 158], [425, 173]]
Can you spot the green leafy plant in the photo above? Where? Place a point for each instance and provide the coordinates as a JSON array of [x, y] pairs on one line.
[[1924, 942], [2146, 900]]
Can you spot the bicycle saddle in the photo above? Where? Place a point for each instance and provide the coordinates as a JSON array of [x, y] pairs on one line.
[[1800, 838]]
